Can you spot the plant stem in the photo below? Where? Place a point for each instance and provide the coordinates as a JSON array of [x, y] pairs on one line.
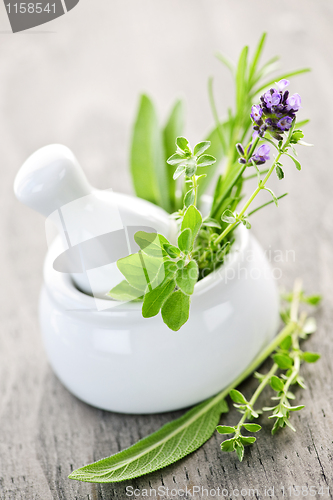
[[256, 395], [195, 187], [284, 333]]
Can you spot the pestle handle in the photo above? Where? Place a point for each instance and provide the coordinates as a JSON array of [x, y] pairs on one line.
[[50, 178]]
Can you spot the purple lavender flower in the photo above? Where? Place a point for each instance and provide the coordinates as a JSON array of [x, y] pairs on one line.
[[294, 102], [272, 98], [285, 123], [262, 154], [256, 112], [282, 84]]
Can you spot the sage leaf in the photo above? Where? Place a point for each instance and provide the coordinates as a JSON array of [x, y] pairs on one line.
[[176, 310], [173, 128], [169, 444], [185, 240], [189, 198], [155, 299], [148, 167], [187, 277], [192, 220], [124, 292]]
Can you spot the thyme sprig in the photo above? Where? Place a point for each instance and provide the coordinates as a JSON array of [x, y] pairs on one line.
[[287, 358]]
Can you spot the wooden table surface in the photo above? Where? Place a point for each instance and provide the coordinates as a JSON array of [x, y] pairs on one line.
[[76, 81]]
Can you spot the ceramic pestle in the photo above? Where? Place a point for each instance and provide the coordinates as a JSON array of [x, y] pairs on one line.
[[97, 226]]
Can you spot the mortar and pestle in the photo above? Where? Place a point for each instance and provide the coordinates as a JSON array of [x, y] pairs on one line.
[[104, 351]]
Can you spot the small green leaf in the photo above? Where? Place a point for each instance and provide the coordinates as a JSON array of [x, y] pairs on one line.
[[179, 171], [124, 292], [273, 195], [189, 198], [310, 357], [192, 220], [176, 310], [187, 277], [171, 250], [239, 448], [228, 445], [297, 136], [185, 240], [297, 163], [176, 159], [225, 429], [284, 362], [151, 243], [248, 439], [286, 343], [296, 408], [228, 216], [183, 144], [237, 397], [313, 300], [139, 270], [279, 172], [206, 161], [276, 383], [201, 147], [155, 299], [252, 427]]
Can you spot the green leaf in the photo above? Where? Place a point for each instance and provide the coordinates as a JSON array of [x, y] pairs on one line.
[[148, 168], [241, 82], [226, 61], [185, 240], [201, 147], [256, 57], [206, 161], [284, 362], [139, 270], [252, 427], [172, 251], [286, 343], [155, 299], [176, 310], [228, 445], [179, 171], [296, 408], [187, 277], [248, 439], [265, 205], [225, 429], [239, 448], [313, 300], [297, 136], [151, 243], [176, 159], [273, 195], [280, 77], [183, 144], [189, 198], [124, 292], [279, 172], [237, 397], [169, 444], [297, 163], [228, 217], [276, 383], [173, 128], [192, 220], [310, 357]]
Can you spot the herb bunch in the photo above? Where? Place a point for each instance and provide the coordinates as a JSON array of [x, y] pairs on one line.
[[186, 434], [163, 273]]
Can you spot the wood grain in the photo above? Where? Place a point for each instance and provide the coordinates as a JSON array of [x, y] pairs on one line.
[[79, 85]]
